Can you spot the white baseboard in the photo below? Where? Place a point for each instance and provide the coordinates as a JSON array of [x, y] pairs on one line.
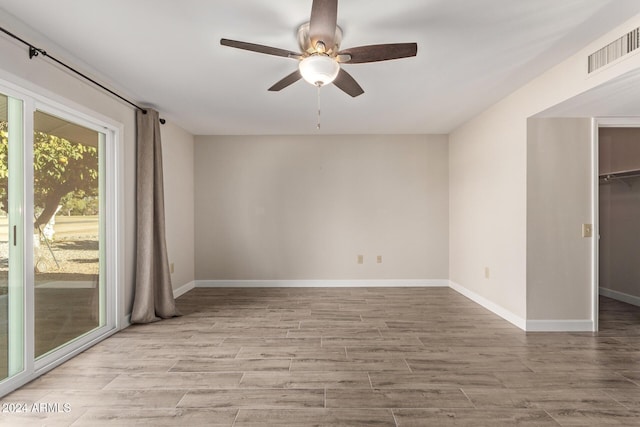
[[572, 325], [620, 296], [319, 283], [493, 307], [184, 289]]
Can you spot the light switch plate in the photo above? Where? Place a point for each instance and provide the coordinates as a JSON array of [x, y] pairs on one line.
[[587, 230]]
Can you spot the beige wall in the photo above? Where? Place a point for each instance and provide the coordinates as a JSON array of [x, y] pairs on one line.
[[304, 207], [177, 152], [619, 268], [487, 209], [41, 76], [488, 179], [559, 201]]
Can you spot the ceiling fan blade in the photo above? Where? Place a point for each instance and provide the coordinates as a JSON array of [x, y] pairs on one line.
[[259, 48], [323, 22], [379, 52], [348, 84], [287, 81]]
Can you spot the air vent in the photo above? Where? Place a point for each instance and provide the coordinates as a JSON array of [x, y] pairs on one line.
[[614, 50]]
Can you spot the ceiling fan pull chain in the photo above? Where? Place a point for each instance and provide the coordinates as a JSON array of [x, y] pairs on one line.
[[318, 127]]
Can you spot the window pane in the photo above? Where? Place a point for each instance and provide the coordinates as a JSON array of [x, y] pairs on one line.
[[4, 240], [67, 199]]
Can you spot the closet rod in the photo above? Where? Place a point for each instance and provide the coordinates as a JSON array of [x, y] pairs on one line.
[[630, 174], [622, 177], [34, 51]]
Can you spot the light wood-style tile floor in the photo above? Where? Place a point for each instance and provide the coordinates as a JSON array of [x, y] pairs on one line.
[[331, 357]]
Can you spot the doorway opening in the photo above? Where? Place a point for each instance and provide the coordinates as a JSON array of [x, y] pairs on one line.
[[617, 288]]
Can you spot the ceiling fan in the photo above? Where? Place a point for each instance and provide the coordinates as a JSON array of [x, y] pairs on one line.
[[320, 56]]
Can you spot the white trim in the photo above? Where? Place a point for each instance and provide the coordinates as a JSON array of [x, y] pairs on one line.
[[118, 237], [491, 306], [573, 325], [27, 245], [579, 325], [595, 227], [178, 292], [620, 296], [621, 122], [319, 283]]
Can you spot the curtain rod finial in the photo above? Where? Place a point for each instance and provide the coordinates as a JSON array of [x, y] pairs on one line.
[[161, 120]]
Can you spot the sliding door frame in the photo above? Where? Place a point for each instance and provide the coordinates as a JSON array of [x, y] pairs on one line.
[[113, 213]]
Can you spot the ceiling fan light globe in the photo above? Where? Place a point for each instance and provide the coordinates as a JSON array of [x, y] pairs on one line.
[[319, 70]]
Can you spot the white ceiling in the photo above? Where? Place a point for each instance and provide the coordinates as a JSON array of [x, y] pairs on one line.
[[166, 54]]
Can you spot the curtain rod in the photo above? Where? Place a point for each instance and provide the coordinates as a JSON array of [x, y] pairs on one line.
[[34, 51]]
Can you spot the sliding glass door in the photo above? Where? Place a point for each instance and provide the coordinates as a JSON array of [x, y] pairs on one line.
[[58, 235], [11, 250]]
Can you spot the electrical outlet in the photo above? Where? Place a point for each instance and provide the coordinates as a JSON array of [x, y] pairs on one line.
[[379, 259], [487, 273], [171, 267], [360, 259]]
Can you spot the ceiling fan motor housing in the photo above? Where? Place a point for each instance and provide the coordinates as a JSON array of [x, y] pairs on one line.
[[304, 41]]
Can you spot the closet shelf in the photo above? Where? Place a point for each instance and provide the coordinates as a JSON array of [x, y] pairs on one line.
[[623, 176]]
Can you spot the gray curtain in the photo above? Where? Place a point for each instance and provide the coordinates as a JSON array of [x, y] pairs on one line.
[[153, 293]]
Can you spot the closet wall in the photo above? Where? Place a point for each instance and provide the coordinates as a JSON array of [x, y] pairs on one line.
[[619, 159]]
